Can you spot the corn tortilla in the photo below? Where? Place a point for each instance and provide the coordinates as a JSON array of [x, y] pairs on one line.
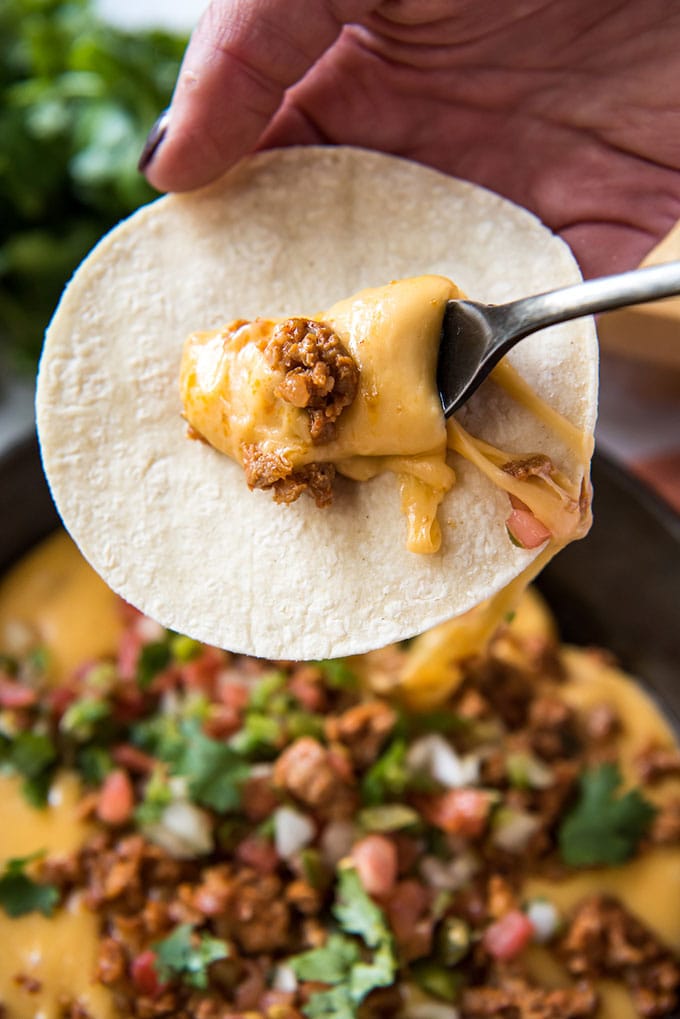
[[169, 523]]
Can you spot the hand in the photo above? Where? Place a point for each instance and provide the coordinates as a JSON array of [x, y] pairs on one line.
[[568, 107]]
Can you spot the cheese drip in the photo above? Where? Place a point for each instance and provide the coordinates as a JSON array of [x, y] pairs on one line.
[[395, 423], [230, 398]]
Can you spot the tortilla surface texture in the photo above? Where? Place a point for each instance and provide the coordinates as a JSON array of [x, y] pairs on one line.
[[169, 523]]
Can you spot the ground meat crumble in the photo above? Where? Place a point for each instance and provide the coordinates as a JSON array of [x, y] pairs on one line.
[[319, 373], [314, 750], [319, 376]]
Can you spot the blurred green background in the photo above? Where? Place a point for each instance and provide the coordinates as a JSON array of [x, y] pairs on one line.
[[77, 98]]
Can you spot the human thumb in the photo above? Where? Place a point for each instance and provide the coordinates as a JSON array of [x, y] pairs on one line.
[[242, 57]]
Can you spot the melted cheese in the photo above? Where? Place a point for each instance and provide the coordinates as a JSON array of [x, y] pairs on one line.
[[648, 886], [53, 598], [58, 952], [61, 952], [394, 424]]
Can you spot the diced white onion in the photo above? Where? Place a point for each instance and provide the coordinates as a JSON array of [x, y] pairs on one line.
[[544, 918], [436, 757], [149, 630], [292, 831], [17, 637], [284, 979], [448, 875], [178, 786], [513, 829], [336, 841], [184, 830]]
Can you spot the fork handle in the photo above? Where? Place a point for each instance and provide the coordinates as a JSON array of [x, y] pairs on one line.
[[520, 318]]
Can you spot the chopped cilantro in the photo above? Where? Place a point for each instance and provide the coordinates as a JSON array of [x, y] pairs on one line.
[[330, 964], [604, 828], [157, 796], [260, 736], [153, 659], [340, 962], [81, 718], [20, 894], [184, 649], [267, 686], [34, 756], [94, 763], [214, 771], [186, 954], [338, 674], [159, 736], [387, 777], [304, 723]]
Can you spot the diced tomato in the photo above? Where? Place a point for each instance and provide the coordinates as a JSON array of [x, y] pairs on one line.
[[308, 692], [509, 936], [201, 673], [116, 798], [375, 858], [129, 648], [234, 695], [223, 721], [133, 759], [14, 695], [144, 975], [526, 529], [457, 811], [258, 853]]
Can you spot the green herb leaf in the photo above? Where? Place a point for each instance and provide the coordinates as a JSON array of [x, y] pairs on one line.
[[157, 796], [260, 736], [34, 756], [20, 894], [214, 771], [330, 964], [356, 912], [388, 777], [94, 763], [603, 828], [338, 674], [186, 955], [270, 684], [340, 962], [81, 718], [153, 659], [335, 1003]]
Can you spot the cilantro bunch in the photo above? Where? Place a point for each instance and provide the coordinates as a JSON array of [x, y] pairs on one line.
[[77, 98]]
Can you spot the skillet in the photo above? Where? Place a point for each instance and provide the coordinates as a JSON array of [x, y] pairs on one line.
[[619, 588]]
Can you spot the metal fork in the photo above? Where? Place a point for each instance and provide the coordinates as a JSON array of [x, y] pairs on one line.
[[476, 336]]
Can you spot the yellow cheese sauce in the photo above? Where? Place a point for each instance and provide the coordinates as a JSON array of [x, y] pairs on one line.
[[54, 599], [395, 422], [59, 953], [229, 396]]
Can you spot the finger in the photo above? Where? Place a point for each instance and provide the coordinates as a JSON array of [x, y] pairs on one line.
[[242, 57]]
